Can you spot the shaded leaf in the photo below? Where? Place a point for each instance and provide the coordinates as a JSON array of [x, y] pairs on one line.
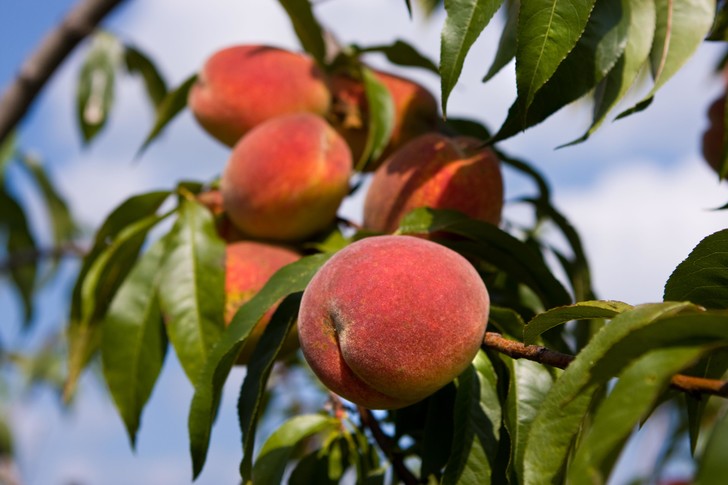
[[133, 342], [172, 104], [95, 89], [465, 20], [629, 403], [437, 433], [713, 366], [582, 310], [192, 286], [547, 31], [278, 448], [703, 276], [596, 52], [208, 388], [256, 379], [507, 43], [7, 446], [307, 28], [7, 152], [381, 118], [402, 54], [719, 31], [138, 63], [712, 466], [508, 321], [681, 25]]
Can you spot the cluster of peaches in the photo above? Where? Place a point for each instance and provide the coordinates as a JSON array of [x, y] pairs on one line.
[[389, 319]]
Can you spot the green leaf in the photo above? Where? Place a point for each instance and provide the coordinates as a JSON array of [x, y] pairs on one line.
[[547, 31], [597, 51], [138, 63], [21, 249], [7, 446], [713, 366], [105, 274], [7, 152], [307, 28], [133, 342], [629, 403], [381, 118], [208, 388], [402, 54], [507, 43], [437, 433], [172, 104], [527, 387], [95, 90], [476, 427], [256, 379], [489, 243], [192, 286], [681, 26], [611, 90], [712, 466], [703, 276], [561, 413], [278, 448], [465, 20], [719, 30], [582, 310]]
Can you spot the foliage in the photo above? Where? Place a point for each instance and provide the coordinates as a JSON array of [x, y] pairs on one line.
[[153, 276]]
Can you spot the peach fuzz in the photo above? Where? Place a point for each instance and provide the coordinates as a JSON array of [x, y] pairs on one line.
[[389, 320], [437, 172], [241, 86], [285, 179], [415, 111], [248, 266]]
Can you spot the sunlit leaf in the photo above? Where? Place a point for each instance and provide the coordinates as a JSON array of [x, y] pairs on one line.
[[582, 310], [381, 118], [192, 286], [465, 20], [133, 343]]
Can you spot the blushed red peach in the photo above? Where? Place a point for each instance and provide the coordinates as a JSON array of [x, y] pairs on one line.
[[389, 320], [248, 267], [437, 172], [241, 86], [285, 179]]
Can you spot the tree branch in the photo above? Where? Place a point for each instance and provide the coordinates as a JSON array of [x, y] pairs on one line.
[[542, 355], [48, 55], [387, 445]]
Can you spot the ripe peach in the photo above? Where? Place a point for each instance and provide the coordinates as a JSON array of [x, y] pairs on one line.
[[241, 86], [713, 136], [248, 266], [286, 178], [389, 320], [415, 111], [438, 172], [212, 199]]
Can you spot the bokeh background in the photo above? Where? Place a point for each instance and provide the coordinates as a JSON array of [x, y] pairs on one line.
[[638, 191]]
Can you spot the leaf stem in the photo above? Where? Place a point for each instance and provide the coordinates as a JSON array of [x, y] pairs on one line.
[[536, 353]]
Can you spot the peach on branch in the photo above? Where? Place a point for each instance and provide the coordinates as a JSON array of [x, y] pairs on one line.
[[241, 86], [438, 172], [286, 178], [389, 320], [248, 266], [415, 111]]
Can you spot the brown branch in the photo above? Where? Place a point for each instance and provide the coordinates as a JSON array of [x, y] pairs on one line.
[[21, 258], [387, 445], [536, 353], [48, 55]]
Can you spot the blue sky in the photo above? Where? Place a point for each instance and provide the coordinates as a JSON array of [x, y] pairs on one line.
[[638, 191]]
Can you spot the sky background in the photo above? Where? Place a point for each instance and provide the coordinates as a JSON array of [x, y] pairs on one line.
[[638, 191]]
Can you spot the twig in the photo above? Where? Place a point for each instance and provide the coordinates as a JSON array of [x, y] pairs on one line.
[[536, 353], [387, 445], [49, 54], [21, 258]]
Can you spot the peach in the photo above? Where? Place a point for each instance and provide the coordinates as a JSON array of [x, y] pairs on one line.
[[438, 172], [713, 135], [286, 178], [415, 112], [241, 86], [212, 199], [389, 320], [248, 266]]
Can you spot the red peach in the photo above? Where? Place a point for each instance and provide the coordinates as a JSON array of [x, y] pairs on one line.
[[241, 86], [415, 112], [713, 135], [286, 178], [248, 266], [437, 172], [389, 320]]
